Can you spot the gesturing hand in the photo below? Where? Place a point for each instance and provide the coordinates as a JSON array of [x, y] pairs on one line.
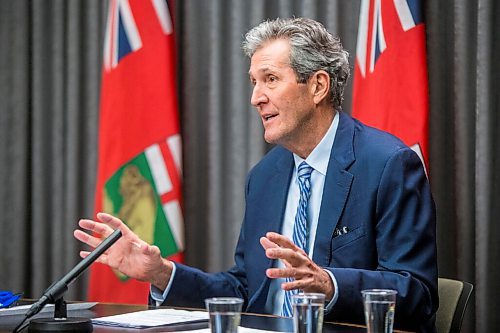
[[305, 274], [129, 255]]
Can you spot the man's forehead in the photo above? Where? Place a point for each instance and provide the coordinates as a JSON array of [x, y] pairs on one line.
[[273, 55], [268, 67], [274, 49]]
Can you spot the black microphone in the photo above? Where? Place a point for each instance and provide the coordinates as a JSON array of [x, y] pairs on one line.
[[58, 288]]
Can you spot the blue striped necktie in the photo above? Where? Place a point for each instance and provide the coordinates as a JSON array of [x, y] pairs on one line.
[[301, 226]]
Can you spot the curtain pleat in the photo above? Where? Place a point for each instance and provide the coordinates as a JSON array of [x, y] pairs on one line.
[[487, 161], [15, 125]]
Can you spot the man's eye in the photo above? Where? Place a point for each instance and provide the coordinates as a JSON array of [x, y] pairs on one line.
[[272, 79]]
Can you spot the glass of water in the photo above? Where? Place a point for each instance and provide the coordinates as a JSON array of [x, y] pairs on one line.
[[308, 311], [225, 314], [380, 305]]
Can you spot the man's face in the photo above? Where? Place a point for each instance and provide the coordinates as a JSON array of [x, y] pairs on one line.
[[285, 106]]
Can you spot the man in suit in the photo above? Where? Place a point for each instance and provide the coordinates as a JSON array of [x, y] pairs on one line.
[[336, 207]]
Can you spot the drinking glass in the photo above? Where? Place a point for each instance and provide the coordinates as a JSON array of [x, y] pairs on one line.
[[308, 311], [225, 314], [379, 305]]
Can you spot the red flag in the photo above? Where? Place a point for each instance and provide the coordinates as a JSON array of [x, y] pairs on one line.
[[139, 168], [390, 75]]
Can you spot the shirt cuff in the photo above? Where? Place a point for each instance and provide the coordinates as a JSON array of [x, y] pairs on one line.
[[158, 295], [332, 302]]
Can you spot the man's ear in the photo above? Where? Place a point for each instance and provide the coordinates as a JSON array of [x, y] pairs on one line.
[[320, 86]]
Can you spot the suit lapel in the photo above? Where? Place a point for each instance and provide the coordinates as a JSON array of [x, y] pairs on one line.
[[337, 186], [273, 202]]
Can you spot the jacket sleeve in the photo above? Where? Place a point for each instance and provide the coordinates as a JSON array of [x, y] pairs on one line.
[[191, 286]]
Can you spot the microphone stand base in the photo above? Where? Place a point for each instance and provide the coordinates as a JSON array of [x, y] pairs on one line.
[[66, 325]]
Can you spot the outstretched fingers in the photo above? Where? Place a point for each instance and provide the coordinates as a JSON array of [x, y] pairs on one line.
[[97, 231], [95, 227], [303, 273], [267, 244], [84, 237], [281, 241], [115, 223], [103, 258]]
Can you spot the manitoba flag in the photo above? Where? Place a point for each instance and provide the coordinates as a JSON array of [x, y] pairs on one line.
[[139, 167], [390, 75]]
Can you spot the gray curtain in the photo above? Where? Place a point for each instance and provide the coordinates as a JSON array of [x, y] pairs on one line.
[[50, 60], [50, 57], [464, 76]]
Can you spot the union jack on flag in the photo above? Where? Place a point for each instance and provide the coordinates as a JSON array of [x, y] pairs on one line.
[[390, 77], [122, 35], [409, 14]]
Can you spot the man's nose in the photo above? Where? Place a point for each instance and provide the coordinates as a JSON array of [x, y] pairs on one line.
[[258, 95]]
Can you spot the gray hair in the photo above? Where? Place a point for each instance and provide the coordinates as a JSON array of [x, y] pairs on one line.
[[312, 48]]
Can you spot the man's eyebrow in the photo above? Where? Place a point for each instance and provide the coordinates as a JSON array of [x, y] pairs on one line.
[[262, 70]]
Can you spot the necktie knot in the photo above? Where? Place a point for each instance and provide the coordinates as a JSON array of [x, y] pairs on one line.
[[304, 171], [304, 177]]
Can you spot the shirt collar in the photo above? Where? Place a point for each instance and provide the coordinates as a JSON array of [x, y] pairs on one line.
[[319, 157]]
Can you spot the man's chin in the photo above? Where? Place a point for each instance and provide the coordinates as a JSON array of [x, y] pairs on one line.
[[270, 138]]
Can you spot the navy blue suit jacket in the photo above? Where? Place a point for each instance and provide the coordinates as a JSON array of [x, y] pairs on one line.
[[375, 187]]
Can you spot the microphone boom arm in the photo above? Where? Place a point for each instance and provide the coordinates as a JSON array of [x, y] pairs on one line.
[[58, 288]]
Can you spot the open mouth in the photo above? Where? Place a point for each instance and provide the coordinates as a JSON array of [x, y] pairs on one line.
[[269, 117]]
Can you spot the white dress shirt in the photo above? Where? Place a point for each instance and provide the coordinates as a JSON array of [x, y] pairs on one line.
[[318, 159]]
